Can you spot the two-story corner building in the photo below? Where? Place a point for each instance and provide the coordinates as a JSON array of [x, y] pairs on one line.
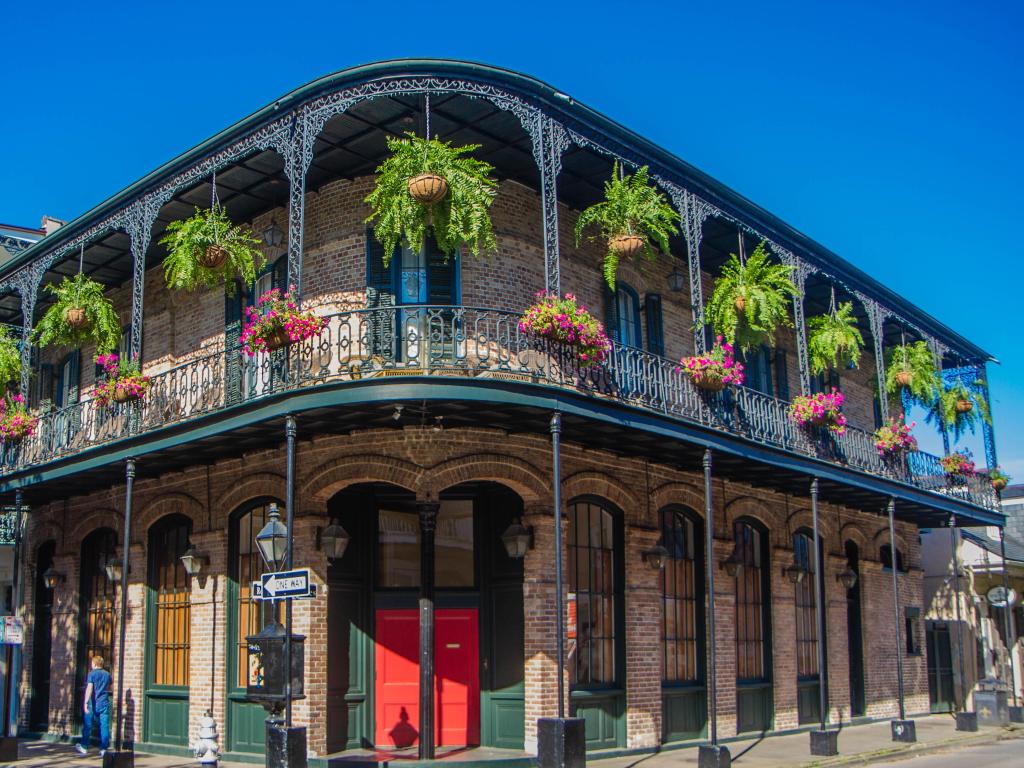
[[422, 402]]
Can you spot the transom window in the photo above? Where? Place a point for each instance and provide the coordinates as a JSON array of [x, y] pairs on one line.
[[171, 593], [592, 594], [398, 546], [681, 604]]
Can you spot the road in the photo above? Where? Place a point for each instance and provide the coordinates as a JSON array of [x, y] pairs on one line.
[[1003, 754]]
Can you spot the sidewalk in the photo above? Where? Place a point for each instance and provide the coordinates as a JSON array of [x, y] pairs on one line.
[[858, 745]]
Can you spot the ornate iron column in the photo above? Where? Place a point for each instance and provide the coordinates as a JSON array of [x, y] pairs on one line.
[[121, 757], [902, 729], [138, 220], [12, 701], [428, 523], [987, 430], [933, 344], [549, 143], [876, 324], [1010, 629], [823, 741], [290, 430], [965, 720], [298, 154], [28, 288], [800, 272], [556, 500], [693, 212]]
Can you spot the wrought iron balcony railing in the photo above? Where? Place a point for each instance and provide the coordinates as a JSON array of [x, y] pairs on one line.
[[470, 342]]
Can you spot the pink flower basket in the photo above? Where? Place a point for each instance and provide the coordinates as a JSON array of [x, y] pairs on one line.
[[123, 383], [824, 409], [563, 320], [276, 321], [714, 370]]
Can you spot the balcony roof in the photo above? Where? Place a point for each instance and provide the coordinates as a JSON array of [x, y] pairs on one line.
[[579, 182]]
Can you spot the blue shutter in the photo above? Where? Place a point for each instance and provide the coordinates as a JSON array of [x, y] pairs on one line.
[[233, 345], [655, 327], [380, 294], [280, 279], [441, 269], [611, 314]]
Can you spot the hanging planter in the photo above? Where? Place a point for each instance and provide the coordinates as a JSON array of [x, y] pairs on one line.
[[208, 250], [427, 185], [904, 378], [894, 440], [823, 410], [833, 339], [959, 409], [999, 479], [633, 216], [15, 422], [276, 321], [563, 321], [958, 466], [10, 360], [714, 371], [123, 381], [751, 299], [911, 367], [964, 406], [74, 297]]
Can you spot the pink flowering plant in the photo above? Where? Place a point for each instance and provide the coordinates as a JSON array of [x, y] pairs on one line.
[[958, 464], [15, 422], [122, 380], [714, 369], [895, 438], [563, 320], [276, 321], [825, 409]]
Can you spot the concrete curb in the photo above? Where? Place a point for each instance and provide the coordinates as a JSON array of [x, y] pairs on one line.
[[905, 752]]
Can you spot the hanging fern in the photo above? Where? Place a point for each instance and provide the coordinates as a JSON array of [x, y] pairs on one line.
[[102, 326], [834, 340], [765, 289], [461, 217], [10, 359], [631, 206], [187, 241], [916, 361], [947, 410]]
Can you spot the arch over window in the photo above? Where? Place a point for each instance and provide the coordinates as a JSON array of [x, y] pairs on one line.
[[96, 593], [752, 601], [595, 594], [170, 601], [682, 593], [885, 555]]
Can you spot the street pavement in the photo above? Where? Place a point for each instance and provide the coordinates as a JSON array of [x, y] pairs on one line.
[[1003, 754]]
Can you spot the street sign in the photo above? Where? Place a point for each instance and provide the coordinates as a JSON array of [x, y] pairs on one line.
[[998, 597], [284, 584], [13, 631]]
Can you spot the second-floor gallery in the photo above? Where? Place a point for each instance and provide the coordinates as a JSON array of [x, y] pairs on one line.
[[424, 268]]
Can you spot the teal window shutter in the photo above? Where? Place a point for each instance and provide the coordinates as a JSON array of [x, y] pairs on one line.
[[758, 370], [233, 345], [381, 290], [611, 314], [280, 278], [655, 325], [442, 286]]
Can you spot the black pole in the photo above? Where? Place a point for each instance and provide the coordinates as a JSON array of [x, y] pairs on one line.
[[709, 560], [289, 504], [896, 607], [428, 524], [129, 481], [819, 608], [556, 494], [10, 695], [954, 541], [1011, 633]]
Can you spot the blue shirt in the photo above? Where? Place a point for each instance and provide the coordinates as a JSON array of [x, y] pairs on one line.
[[100, 680]]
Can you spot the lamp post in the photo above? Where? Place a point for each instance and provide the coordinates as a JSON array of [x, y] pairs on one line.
[[119, 757], [902, 729], [824, 741], [713, 755]]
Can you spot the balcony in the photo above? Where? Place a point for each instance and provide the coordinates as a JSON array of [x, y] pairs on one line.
[[414, 341]]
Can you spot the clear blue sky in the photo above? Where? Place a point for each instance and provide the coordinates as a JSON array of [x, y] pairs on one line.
[[890, 132]]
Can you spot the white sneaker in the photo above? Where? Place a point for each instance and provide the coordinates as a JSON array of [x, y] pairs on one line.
[[103, 752], [81, 750]]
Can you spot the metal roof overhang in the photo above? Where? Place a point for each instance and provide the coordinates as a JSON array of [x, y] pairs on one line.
[[260, 184], [509, 406]]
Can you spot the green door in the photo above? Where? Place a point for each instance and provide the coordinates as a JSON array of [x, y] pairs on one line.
[[940, 667], [168, 599]]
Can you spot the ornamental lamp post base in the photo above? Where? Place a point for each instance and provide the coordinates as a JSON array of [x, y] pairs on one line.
[[286, 747], [124, 758], [967, 721], [1016, 714], [825, 743], [561, 742], [713, 756], [904, 731], [8, 749]]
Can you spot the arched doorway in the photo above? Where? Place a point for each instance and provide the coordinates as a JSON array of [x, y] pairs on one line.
[[809, 678], [42, 640], [854, 633], [373, 623], [754, 709], [96, 607]]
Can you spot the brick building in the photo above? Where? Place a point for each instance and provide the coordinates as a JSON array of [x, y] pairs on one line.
[[422, 405]]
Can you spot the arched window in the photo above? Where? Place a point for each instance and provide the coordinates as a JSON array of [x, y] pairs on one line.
[[96, 616], [806, 616], [885, 555], [751, 603], [170, 596], [682, 591], [42, 639], [595, 594]]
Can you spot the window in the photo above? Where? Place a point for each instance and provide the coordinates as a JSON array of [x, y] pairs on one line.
[[885, 554], [751, 603], [248, 566], [170, 593], [622, 316], [592, 594], [96, 618], [806, 615], [66, 392], [758, 369], [911, 630], [398, 546], [825, 382], [682, 598], [655, 324]]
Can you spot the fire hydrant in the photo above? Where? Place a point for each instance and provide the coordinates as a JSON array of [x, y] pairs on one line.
[[206, 748]]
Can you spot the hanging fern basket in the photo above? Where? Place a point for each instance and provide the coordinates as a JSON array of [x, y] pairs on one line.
[[428, 188], [76, 317], [964, 406], [626, 246], [740, 304], [998, 484], [213, 256], [904, 378]]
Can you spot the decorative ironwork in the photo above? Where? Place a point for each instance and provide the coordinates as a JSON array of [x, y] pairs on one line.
[[485, 344], [801, 271], [138, 221], [876, 324], [8, 526]]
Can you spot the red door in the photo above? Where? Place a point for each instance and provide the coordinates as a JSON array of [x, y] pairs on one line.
[[456, 678]]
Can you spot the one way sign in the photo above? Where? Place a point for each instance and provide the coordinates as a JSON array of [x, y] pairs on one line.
[[278, 585]]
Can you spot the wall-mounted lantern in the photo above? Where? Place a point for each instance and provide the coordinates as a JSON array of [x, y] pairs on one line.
[[795, 571], [52, 578], [655, 557], [733, 564], [193, 560], [334, 540], [847, 577], [518, 539]]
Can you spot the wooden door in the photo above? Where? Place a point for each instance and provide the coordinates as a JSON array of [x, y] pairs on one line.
[[397, 690]]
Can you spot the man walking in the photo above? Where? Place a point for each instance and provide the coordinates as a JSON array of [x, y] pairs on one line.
[[96, 707]]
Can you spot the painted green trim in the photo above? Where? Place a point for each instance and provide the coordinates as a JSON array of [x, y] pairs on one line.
[[502, 392]]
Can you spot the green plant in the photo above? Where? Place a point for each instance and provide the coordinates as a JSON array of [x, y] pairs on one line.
[[960, 409], [229, 251], [751, 299], [101, 327], [912, 366], [632, 208], [833, 339], [459, 218], [10, 358]]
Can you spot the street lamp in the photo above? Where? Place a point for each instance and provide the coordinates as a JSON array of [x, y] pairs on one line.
[[52, 578], [193, 560], [676, 280], [334, 541], [272, 235], [517, 539], [655, 557], [273, 540]]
